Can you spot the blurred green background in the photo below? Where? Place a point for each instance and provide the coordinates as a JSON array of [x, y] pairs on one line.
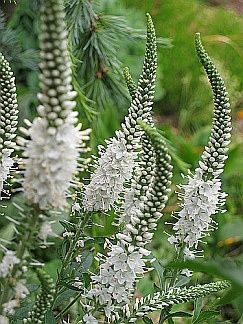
[[183, 103]]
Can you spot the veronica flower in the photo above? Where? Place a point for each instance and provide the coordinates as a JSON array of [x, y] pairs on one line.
[[109, 180], [7, 263], [117, 275], [202, 196], [55, 143], [21, 291], [113, 169], [9, 307], [89, 319], [201, 200], [8, 119]]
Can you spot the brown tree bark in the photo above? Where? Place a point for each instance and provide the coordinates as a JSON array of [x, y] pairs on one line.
[[8, 7]]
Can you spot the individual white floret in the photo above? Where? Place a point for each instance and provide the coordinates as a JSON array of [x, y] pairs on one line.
[[8, 261]]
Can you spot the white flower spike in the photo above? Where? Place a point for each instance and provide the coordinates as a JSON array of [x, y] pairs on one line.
[[8, 120], [52, 153]]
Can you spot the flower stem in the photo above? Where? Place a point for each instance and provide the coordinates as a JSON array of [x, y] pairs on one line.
[[24, 241], [69, 256], [63, 312]]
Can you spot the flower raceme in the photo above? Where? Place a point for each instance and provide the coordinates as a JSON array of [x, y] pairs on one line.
[[109, 179], [8, 119], [52, 159], [125, 261], [114, 167], [52, 152], [202, 197], [144, 198]]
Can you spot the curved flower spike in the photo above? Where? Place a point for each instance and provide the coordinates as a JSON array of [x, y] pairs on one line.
[[160, 301], [215, 153], [8, 119], [202, 196], [116, 163], [154, 185]]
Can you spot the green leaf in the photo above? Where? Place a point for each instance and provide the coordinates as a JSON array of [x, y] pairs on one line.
[[160, 272], [205, 315], [198, 304], [87, 259], [49, 318], [229, 296], [222, 268], [232, 231], [68, 226], [64, 296]]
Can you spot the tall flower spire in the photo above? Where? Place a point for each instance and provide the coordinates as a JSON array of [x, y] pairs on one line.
[[8, 119], [116, 163], [55, 143], [125, 263], [202, 196]]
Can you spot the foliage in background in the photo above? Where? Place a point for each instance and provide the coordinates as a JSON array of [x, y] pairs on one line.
[[97, 39]]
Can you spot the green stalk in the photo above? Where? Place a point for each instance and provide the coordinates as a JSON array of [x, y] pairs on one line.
[[63, 312], [164, 313], [22, 247], [69, 256]]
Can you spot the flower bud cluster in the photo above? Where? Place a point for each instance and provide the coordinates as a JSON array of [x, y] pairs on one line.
[[8, 119], [160, 301], [155, 181], [142, 98], [56, 96], [215, 153], [44, 299]]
